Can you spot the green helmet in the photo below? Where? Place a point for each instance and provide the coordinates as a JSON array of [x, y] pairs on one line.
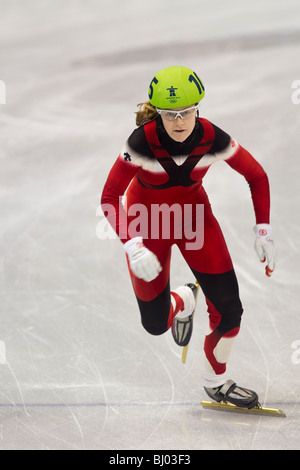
[[175, 87]]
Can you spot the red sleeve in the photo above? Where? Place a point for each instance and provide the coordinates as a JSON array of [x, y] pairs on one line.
[[111, 200], [243, 162]]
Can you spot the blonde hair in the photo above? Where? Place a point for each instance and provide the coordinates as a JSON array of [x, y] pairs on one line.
[[146, 113]]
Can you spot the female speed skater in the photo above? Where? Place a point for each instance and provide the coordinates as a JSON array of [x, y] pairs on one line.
[[160, 171]]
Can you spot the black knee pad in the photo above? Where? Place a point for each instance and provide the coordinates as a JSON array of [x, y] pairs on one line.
[[153, 329], [231, 311], [155, 313]]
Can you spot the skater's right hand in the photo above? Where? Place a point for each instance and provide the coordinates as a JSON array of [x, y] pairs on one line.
[[143, 263]]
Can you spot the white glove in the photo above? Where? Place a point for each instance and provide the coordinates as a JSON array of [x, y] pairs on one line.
[[143, 263], [264, 246]]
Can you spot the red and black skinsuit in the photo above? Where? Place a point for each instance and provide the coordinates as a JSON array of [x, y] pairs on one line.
[[154, 169]]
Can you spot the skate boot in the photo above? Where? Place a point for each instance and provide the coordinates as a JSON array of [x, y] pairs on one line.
[[182, 326], [231, 393]]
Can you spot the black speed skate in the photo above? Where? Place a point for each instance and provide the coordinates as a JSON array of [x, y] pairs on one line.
[[230, 392], [182, 328]]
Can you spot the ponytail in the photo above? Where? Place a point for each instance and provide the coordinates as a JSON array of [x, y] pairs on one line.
[[146, 113]]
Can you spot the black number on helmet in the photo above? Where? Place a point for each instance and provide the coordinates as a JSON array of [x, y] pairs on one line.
[[151, 87], [194, 78]]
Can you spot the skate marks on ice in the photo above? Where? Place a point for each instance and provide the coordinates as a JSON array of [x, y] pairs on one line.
[[194, 49], [100, 397], [104, 407], [76, 396], [117, 426]]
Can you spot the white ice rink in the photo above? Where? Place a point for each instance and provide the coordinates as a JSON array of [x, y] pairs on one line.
[[80, 371]]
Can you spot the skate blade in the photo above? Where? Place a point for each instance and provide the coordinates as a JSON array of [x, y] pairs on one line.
[[258, 410], [185, 348]]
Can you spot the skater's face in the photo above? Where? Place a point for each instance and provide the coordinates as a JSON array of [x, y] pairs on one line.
[[180, 129]]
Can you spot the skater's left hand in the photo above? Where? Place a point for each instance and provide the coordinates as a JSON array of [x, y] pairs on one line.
[[264, 246]]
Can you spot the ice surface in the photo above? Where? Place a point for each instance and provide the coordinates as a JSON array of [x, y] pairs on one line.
[[80, 371]]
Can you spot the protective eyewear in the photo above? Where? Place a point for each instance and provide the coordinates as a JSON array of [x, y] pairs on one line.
[[173, 115]]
